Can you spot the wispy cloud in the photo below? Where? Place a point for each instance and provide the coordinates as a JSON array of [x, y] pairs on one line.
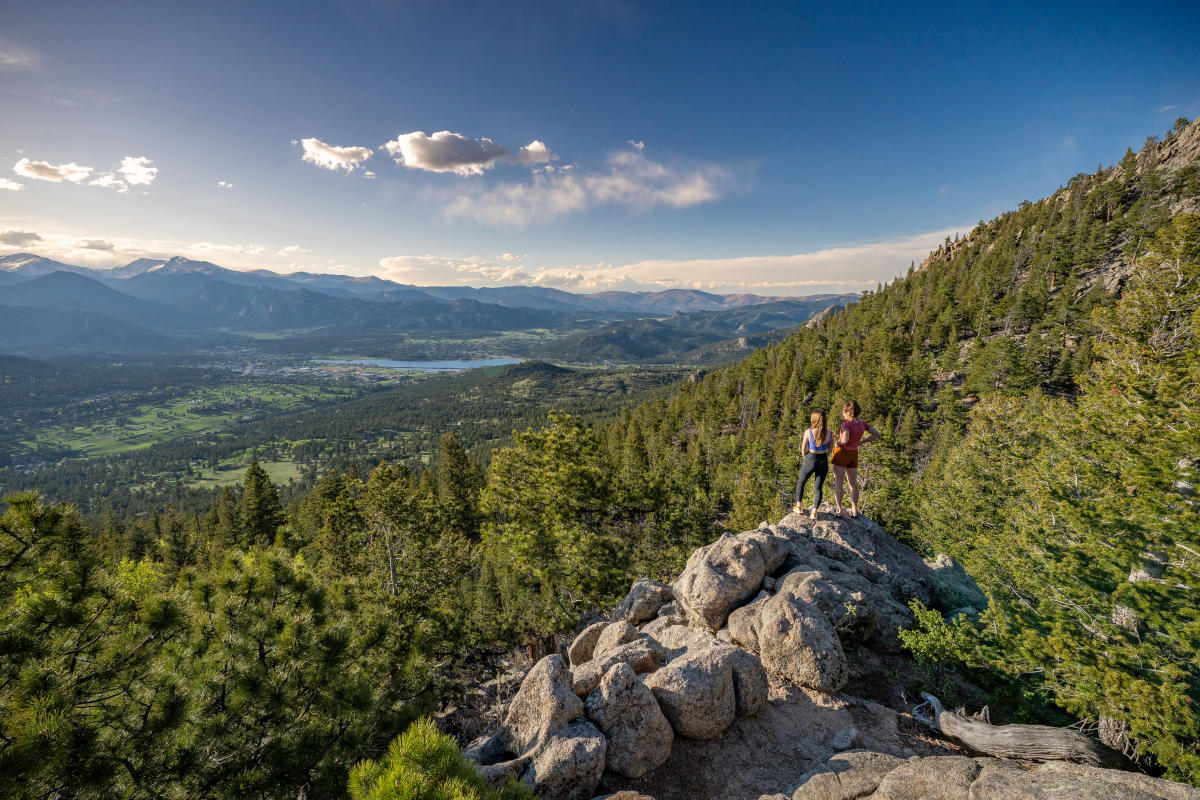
[[209, 248], [631, 180], [848, 268], [291, 250], [17, 56], [328, 156], [11, 186], [108, 180], [1165, 109], [224, 185]]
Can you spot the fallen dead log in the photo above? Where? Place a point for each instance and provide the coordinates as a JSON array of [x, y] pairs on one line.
[[1028, 742]]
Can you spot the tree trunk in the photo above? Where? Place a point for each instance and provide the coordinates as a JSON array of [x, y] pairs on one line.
[[1028, 742]]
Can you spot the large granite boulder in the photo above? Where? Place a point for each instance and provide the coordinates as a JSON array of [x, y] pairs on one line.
[[798, 642], [641, 654], [643, 602], [584, 645], [953, 588], [639, 735], [717, 579], [696, 693], [851, 612], [545, 702], [750, 684], [613, 636], [675, 640], [743, 623], [568, 764]]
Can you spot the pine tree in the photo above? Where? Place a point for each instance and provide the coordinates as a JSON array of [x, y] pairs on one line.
[[459, 483], [261, 512]]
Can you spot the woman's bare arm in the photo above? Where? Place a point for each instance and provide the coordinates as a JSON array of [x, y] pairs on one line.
[[872, 435]]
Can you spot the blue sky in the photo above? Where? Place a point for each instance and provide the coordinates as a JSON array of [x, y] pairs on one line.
[[774, 148]]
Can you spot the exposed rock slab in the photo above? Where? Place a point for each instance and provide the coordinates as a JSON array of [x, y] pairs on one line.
[[875, 776]]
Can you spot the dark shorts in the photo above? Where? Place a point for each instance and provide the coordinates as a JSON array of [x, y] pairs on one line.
[[846, 459]]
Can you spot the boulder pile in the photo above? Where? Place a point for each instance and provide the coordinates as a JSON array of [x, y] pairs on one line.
[[736, 667]]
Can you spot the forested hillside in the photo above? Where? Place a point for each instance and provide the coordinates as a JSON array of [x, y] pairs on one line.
[[1035, 384]]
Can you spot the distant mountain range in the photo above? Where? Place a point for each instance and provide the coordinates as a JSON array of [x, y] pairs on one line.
[[151, 305], [175, 278]]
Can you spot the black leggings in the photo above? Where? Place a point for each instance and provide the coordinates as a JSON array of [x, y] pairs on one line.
[[817, 465]]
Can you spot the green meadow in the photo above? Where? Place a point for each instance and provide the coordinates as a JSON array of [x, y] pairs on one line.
[[194, 412]]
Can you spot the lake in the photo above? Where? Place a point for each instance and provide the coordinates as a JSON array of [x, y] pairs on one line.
[[452, 365]]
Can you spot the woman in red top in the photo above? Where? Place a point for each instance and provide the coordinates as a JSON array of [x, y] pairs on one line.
[[845, 455]]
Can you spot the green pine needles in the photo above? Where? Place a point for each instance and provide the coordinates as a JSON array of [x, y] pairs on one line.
[[425, 764]]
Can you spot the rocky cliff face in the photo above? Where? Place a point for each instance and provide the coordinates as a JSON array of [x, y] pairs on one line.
[[739, 680]]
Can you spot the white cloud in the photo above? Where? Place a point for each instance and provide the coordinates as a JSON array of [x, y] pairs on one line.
[[17, 56], [1165, 109], [535, 152], [369, 175], [55, 173], [842, 269], [328, 156], [510, 257], [291, 250], [19, 238], [138, 170], [11, 186], [224, 185], [110, 181], [446, 152], [631, 180], [636, 145]]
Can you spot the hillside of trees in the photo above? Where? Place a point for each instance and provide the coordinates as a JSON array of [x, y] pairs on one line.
[[1035, 383]]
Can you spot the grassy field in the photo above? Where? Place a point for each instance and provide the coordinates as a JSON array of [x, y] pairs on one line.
[[227, 474], [198, 411]]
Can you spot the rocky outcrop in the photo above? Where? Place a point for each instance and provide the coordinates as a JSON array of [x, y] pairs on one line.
[[727, 684], [954, 591], [877, 776]]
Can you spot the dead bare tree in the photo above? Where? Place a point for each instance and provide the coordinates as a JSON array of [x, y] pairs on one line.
[[1028, 742]]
